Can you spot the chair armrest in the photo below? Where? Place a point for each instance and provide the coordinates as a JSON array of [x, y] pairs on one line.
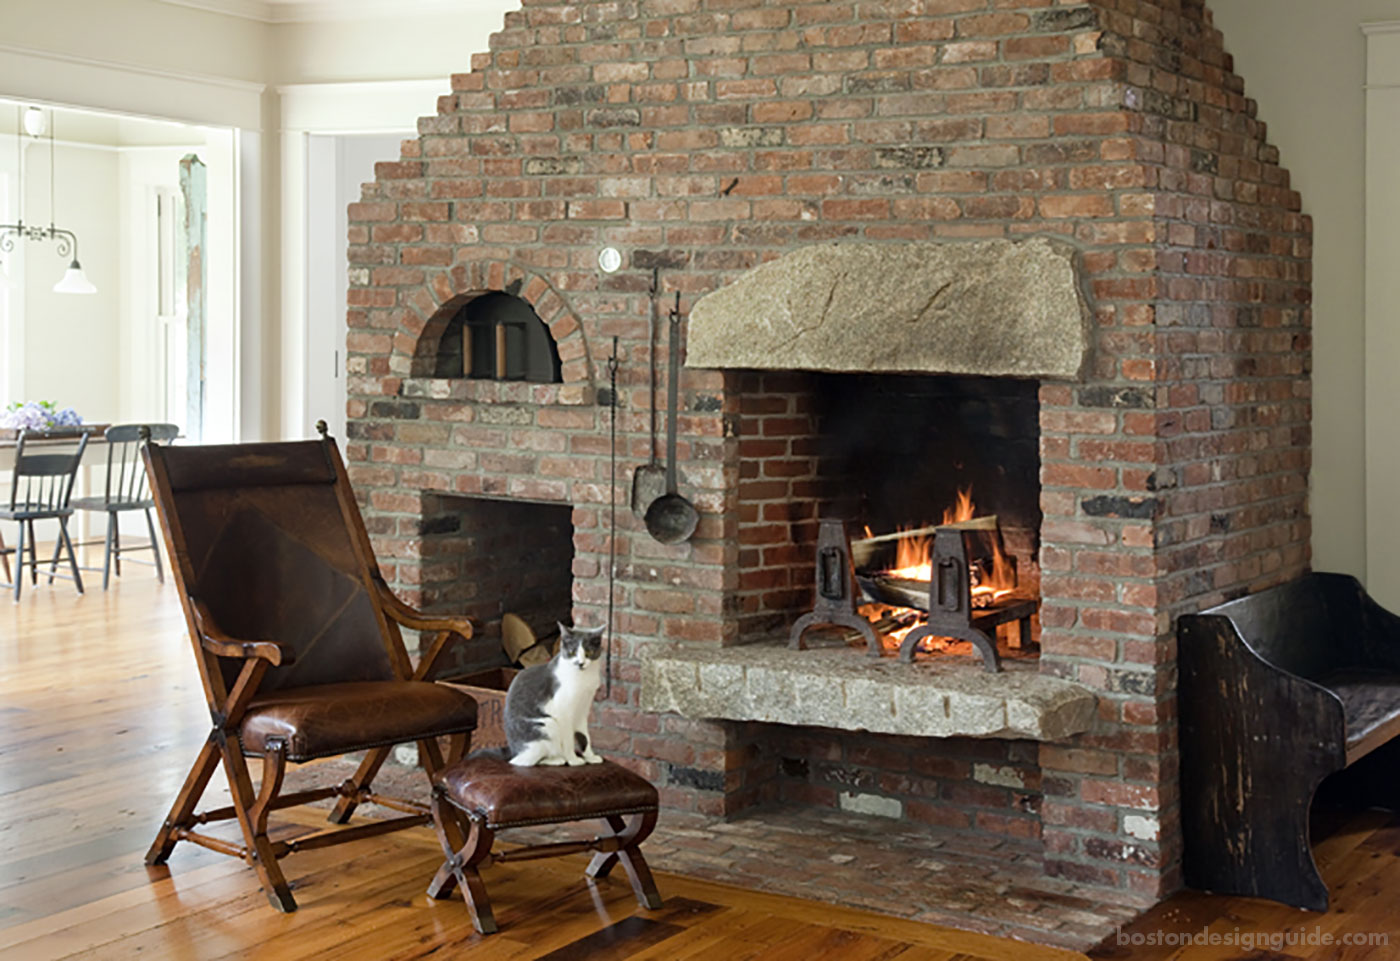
[[216, 642], [408, 617], [445, 627]]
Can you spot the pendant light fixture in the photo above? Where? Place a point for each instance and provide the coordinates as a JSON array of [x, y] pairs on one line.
[[30, 121]]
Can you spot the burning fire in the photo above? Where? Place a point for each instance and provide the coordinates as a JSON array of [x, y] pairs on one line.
[[914, 560]]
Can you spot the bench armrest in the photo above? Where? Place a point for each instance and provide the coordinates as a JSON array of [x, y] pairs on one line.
[[216, 642], [1380, 644]]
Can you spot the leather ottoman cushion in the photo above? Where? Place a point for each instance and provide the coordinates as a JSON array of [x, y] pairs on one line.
[[493, 790], [330, 719]]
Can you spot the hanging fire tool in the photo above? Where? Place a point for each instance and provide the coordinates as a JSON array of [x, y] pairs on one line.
[[612, 512]]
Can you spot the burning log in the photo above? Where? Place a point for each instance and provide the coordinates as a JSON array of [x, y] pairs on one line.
[[957, 572]]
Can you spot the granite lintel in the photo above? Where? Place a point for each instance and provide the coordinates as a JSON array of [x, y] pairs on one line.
[[1008, 308]]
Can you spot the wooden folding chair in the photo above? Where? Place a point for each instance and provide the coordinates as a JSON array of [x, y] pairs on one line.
[[297, 640]]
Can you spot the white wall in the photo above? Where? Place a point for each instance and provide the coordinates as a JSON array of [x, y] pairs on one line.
[[11, 274], [398, 47], [159, 59], [71, 340], [1304, 62], [1382, 310]]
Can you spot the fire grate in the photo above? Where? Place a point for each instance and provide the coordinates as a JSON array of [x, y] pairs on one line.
[[958, 596]]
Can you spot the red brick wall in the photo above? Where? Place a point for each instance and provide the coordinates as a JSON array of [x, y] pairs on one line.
[[710, 135], [963, 784], [778, 496], [1178, 476]]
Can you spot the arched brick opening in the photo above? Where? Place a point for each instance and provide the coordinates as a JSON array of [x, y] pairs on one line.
[[448, 291]]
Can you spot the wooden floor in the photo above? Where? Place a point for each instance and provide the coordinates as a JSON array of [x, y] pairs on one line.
[[100, 716]]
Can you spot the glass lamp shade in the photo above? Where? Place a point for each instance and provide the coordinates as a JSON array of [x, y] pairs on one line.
[[74, 281]]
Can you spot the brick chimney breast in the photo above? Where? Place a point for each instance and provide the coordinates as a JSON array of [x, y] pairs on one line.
[[1153, 436]]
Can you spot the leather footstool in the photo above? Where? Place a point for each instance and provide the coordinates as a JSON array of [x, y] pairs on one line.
[[478, 796]]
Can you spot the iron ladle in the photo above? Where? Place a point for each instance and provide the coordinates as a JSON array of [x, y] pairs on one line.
[[671, 518]]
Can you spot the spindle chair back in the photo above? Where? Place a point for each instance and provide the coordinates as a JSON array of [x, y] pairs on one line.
[[41, 486]]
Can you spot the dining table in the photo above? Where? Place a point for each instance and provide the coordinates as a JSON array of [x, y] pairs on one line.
[[9, 441]]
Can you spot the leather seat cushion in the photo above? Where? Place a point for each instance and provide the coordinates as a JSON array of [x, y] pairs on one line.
[[327, 719], [493, 790]]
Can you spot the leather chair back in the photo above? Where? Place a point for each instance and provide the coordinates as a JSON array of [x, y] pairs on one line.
[[269, 538]]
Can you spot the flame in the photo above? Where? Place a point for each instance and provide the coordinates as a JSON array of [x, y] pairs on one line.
[[914, 558]]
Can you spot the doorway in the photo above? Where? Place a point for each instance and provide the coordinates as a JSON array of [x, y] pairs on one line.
[[337, 164]]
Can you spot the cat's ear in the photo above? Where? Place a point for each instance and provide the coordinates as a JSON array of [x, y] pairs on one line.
[[563, 631]]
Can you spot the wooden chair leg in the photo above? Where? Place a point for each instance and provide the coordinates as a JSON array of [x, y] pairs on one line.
[[19, 561], [430, 757], [185, 801], [107, 550], [57, 556], [249, 808], [361, 779], [630, 835], [33, 557], [460, 868], [447, 824], [72, 555], [155, 547], [4, 557], [117, 548], [275, 885]]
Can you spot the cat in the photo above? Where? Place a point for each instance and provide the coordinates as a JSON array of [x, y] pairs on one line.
[[546, 711]]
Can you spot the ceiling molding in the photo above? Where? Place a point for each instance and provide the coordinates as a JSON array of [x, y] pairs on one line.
[[243, 86], [246, 9], [106, 86], [322, 11]]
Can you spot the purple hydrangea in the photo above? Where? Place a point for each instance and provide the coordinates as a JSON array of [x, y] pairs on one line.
[[39, 415]]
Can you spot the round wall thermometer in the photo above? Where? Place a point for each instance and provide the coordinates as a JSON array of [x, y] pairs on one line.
[[609, 259]]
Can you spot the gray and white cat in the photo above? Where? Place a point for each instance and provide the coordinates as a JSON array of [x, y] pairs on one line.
[[546, 712]]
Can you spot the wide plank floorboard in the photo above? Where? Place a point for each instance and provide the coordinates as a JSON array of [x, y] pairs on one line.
[[101, 715]]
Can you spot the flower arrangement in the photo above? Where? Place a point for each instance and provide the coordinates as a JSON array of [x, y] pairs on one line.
[[39, 415]]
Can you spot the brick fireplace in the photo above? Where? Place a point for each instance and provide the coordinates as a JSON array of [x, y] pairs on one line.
[[707, 138]]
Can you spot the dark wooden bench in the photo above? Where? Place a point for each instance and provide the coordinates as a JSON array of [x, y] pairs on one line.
[[1278, 690]]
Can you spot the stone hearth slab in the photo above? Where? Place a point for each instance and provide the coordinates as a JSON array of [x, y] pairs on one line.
[[993, 307], [843, 689]]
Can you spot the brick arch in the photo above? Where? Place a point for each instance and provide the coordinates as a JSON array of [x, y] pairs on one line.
[[445, 293]]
